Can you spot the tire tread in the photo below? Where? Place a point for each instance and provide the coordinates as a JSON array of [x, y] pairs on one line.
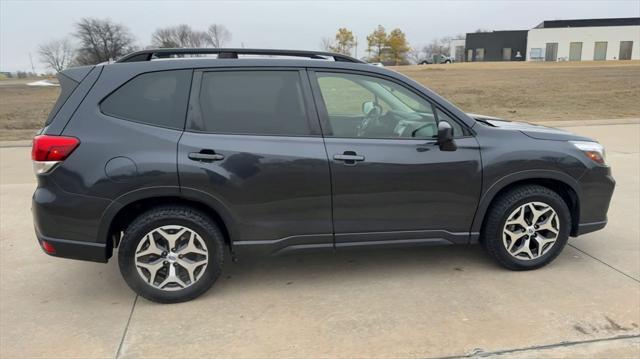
[[491, 236], [158, 214]]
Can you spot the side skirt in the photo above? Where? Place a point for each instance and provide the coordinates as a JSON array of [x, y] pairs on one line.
[[315, 242]]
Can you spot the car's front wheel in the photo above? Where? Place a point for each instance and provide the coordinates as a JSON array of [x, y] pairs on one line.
[[527, 227], [171, 254]]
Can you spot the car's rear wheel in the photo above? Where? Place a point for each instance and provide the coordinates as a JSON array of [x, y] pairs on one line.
[[171, 254], [527, 227]]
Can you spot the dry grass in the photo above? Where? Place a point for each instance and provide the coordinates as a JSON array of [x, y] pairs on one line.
[[537, 91], [514, 90], [23, 109]]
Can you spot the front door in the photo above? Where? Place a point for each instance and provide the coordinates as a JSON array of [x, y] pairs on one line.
[[253, 146], [390, 180]]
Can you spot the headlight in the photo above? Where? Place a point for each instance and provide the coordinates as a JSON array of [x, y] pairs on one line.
[[593, 150]]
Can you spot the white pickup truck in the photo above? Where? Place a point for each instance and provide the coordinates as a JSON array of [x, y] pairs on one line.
[[440, 59]]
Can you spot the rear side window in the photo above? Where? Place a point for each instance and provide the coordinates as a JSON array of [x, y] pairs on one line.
[[67, 86], [251, 102], [155, 98]]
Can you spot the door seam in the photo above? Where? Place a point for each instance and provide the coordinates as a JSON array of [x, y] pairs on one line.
[[326, 152]]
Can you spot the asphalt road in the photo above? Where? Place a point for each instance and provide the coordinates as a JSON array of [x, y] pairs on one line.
[[413, 303]]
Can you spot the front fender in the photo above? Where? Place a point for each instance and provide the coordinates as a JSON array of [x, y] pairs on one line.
[[526, 175]]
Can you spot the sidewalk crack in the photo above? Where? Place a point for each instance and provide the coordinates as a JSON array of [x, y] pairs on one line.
[[126, 328], [603, 262]]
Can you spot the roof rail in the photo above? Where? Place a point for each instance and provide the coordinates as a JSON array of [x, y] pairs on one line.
[[148, 55]]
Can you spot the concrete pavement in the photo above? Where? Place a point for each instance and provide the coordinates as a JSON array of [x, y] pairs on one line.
[[414, 303]]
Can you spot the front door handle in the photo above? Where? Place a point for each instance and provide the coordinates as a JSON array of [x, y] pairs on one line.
[[206, 156], [349, 157]]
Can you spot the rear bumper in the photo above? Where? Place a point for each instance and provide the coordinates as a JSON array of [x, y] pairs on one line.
[[68, 222], [86, 251]]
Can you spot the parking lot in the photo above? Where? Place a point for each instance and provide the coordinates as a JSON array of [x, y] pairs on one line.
[[400, 303]]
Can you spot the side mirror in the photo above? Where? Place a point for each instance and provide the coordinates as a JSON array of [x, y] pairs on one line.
[[445, 137]]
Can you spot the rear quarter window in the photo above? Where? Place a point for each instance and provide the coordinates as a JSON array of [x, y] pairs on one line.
[[154, 98], [67, 86]]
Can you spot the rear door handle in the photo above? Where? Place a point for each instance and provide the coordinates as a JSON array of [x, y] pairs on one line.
[[206, 156]]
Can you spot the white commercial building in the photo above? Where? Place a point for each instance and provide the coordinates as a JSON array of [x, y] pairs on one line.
[[584, 40], [456, 49]]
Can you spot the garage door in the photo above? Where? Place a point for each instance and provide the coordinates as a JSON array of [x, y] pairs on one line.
[[625, 50], [575, 51], [551, 53], [600, 51]]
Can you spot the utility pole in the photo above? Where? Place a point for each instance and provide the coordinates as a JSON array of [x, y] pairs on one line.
[[356, 47], [33, 68]]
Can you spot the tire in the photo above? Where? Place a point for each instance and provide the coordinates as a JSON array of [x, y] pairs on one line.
[[521, 205], [199, 245]]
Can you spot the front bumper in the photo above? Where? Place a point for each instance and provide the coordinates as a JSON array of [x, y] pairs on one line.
[[597, 190]]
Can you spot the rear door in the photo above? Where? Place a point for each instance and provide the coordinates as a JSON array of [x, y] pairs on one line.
[[253, 145], [390, 180]]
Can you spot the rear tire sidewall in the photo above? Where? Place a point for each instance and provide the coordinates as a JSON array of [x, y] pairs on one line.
[[493, 237], [147, 222]]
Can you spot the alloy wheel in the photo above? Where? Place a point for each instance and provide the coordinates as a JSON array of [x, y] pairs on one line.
[[531, 230], [171, 257]]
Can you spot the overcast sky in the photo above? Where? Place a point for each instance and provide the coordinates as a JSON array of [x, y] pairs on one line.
[[284, 24]]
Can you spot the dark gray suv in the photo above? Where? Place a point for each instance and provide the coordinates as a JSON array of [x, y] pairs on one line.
[[180, 158]]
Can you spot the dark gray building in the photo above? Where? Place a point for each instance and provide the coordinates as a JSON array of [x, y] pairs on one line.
[[496, 46]]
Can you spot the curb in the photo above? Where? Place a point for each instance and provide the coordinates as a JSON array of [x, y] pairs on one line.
[[19, 143]]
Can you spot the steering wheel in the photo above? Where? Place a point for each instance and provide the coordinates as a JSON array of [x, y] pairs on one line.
[[371, 117]]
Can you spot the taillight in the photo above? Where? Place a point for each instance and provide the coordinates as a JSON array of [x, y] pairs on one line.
[[48, 151], [48, 247]]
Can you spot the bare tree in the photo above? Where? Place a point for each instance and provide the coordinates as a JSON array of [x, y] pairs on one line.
[[218, 35], [326, 44], [57, 54], [179, 36], [416, 55], [101, 40], [437, 47]]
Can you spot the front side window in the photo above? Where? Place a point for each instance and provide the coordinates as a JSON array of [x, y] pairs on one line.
[[251, 102], [371, 107], [155, 98]]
